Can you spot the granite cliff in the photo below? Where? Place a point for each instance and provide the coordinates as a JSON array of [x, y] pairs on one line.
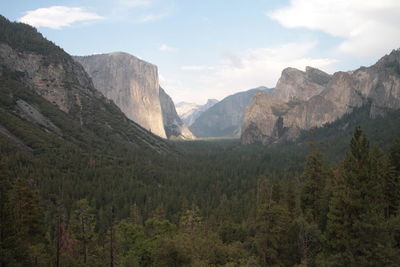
[[304, 100], [131, 83]]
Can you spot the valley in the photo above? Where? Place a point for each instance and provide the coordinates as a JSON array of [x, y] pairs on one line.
[[99, 167]]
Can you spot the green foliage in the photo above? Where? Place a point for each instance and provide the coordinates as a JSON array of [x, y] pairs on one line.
[[356, 230], [22, 229], [26, 38], [82, 227], [132, 247], [315, 178]]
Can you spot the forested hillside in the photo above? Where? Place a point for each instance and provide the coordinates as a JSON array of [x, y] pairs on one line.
[[212, 203]]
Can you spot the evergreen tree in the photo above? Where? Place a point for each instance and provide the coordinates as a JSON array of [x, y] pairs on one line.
[[132, 248], [290, 199], [356, 234], [271, 224], [395, 155], [392, 181], [26, 235], [82, 226], [314, 181]]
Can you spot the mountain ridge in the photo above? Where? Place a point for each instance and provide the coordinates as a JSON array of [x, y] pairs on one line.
[[302, 101], [54, 81]]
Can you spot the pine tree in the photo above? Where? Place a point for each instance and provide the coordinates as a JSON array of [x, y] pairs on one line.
[[314, 177], [82, 225], [356, 234], [392, 181], [290, 198], [392, 195], [271, 224], [26, 234]]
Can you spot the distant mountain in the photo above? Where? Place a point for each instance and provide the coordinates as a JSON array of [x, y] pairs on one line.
[[48, 100], [225, 118], [189, 112], [305, 100]]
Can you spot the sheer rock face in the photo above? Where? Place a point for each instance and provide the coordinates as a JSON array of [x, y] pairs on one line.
[[225, 118], [299, 85], [61, 82], [131, 83], [304, 100], [174, 127]]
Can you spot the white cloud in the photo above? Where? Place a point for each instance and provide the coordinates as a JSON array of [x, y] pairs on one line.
[[242, 71], [197, 68], [166, 48], [263, 66], [57, 17], [367, 27]]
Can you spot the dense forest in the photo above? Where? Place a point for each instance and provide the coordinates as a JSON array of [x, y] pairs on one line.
[[211, 203]]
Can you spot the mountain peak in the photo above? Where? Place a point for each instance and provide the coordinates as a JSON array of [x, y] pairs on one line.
[[291, 71], [390, 59], [211, 101], [317, 76], [295, 84]]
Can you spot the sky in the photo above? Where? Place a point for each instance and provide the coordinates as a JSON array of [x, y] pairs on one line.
[[213, 48]]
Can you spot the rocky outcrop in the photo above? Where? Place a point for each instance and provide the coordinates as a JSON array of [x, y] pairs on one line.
[[131, 83], [57, 79], [189, 112], [33, 114], [173, 125], [304, 100], [225, 118], [299, 85]]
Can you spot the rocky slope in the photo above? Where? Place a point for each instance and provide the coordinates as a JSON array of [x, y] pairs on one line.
[[131, 83], [225, 118], [304, 100], [33, 66], [189, 112], [173, 125]]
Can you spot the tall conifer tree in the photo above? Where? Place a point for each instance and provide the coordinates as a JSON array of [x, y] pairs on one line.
[[356, 234]]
